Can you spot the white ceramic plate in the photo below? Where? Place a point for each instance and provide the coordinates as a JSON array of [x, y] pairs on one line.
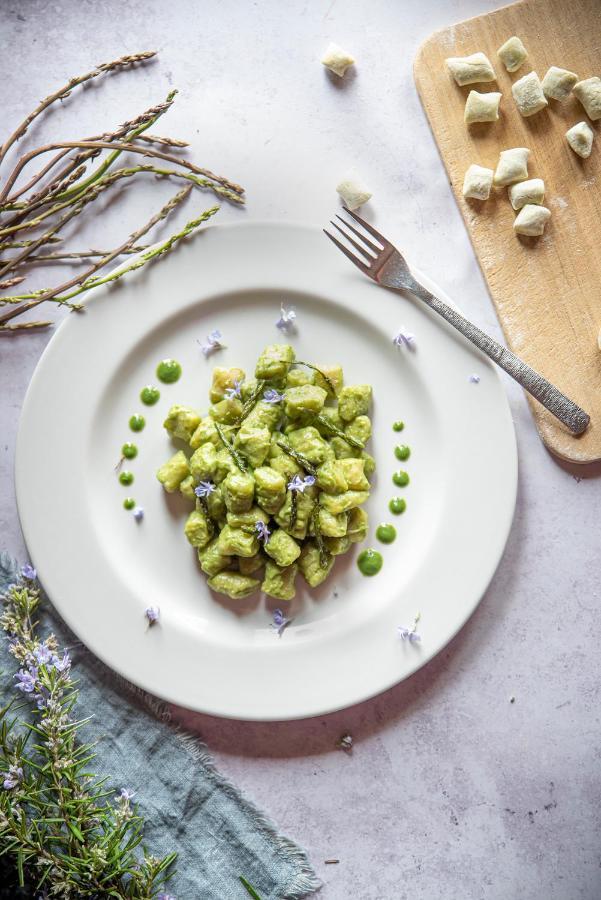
[[101, 569]]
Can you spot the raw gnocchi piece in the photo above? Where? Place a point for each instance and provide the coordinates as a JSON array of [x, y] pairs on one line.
[[482, 107], [471, 69], [589, 94], [528, 94], [558, 83], [580, 138], [512, 166], [353, 191], [524, 192], [477, 182], [337, 60], [531, 220], [512, 54]]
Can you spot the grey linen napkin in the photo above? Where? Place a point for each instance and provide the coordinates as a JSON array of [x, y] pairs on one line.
[[187, 805]]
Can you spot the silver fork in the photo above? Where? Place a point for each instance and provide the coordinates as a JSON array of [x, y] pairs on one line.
[[387, 267]]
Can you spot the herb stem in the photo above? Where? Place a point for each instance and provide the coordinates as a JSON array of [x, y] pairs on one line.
[[240, 462]]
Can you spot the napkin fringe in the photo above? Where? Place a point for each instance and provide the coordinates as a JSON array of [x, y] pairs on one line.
[[305, 881]]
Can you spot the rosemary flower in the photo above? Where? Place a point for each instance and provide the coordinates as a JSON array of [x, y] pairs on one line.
[[138, 513], [204, 488], [300, 484], [152, 614], [280, 621], [263, 532], [235, 392], [26, 680], [29, 573], [475, 379], [272, 396], [410, 634], [404, 339], [213, 342], [13, 777], [287, 318]]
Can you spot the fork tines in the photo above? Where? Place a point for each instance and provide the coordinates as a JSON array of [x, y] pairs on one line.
[[364, 246]]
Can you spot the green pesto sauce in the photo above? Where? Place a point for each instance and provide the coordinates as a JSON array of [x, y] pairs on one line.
[[129, 451], [386, 533], [169, 371], [400, 478], [397, 506], [402, 451], [129, 503], [398, 426], [137, 422], [149, 395], [369, 562], [126, 478]]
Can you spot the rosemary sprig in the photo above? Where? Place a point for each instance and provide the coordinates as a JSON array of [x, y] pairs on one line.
[[325, 377], [324, 556], [337, 432], [297, 457], [250, 889], [23, 326], [251, 400], [59, 825], [240, 462]]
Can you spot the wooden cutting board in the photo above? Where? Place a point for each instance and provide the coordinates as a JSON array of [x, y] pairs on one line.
[[547, 291]]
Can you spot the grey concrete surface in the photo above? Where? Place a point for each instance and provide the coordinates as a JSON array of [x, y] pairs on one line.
[[452, 791]]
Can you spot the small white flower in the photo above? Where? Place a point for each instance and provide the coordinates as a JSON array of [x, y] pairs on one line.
[[213, 342], [287, 318]]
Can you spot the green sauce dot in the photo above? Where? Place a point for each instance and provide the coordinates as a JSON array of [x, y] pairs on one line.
[[129, 451], [386, 533], [137, 422], [126, 478], [149, 395], [168, 371], [400, 478], [402, 451], [398, 426], [369, 562], [129, 503], [397, 506]]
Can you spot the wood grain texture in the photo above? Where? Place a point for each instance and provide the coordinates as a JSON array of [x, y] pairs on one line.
[[547, 291]]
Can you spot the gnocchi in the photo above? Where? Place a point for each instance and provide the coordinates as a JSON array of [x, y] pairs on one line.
[[531, 220], [477, 182], [279, 488], [580, 138], [482, 107], [337, 60], [524, 192], [353, 191], [512, 166], [471, 69], [589, 94], [528, 94], [512, 54], [558, 83]]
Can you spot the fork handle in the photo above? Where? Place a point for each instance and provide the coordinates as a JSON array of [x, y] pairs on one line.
[[546, 393]]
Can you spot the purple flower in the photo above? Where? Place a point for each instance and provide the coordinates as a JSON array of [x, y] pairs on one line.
[[235, 391], [126, 794], [263, 532], [14, 776], [29, 573], [43, 655], [286, 320], [26, 679], [404, 339], [299, 484], [272, 396], [164, 896], [204, 488], [475, 379], [280, 621], [138, 513], [407, 634], [213, 342], [62, 665], [152, 615]]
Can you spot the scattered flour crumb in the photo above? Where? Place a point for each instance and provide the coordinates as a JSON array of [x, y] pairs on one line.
[[559, 202]]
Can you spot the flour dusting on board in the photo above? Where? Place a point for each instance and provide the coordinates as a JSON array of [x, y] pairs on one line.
[[559, 202]]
